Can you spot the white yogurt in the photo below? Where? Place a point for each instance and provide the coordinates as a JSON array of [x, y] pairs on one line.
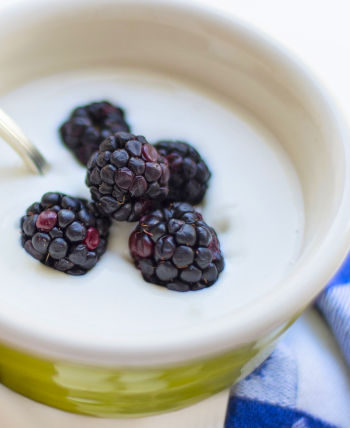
[[254, 202]]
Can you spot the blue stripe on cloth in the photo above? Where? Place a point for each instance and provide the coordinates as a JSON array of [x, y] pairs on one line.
[[246, 413], [342, 277], [275, 381], [334, 303]]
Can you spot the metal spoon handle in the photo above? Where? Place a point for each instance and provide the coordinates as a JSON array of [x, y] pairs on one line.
[[12, 134]]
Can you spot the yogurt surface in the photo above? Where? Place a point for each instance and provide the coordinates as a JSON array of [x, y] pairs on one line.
[[254, 202]]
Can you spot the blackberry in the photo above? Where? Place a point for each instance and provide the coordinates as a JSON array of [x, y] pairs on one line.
[[175, 248], [127, 177], [65, 233], [89, 125], [189, 174]]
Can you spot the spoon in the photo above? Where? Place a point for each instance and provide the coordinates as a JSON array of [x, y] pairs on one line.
[[13, 135]]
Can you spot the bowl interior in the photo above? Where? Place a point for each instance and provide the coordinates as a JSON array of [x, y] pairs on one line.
[[224, 62]]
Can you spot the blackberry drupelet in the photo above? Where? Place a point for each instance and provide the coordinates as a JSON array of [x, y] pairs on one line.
[[89, 125], [175, 248], [65, 233], [189, 174], [127, 177]]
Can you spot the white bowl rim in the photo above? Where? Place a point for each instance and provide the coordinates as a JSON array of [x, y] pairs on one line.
[[272, 312]]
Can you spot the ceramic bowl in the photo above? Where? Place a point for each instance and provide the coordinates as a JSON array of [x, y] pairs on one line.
[[230, 61]]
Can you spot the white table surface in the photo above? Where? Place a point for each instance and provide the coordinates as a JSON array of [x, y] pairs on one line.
[[318, 32]]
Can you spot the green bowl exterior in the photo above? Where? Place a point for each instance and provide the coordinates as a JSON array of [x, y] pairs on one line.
[[129, 391], [119, 392]]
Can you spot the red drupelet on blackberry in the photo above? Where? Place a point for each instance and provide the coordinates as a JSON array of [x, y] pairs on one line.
[[65, 233], [189, 174], [127, 177], [89, 125], [175, 248]]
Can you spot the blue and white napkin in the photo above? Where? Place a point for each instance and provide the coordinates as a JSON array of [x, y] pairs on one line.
[[268, 398]]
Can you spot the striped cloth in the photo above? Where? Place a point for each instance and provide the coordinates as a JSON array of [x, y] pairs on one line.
[[268, 397]]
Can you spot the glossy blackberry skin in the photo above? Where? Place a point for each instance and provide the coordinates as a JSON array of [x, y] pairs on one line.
[[175, 248], [65, 233], [89, 125], [189, 174], [127, 177]]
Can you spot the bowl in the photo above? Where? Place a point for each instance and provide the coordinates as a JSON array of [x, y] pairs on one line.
[[281, 160]]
